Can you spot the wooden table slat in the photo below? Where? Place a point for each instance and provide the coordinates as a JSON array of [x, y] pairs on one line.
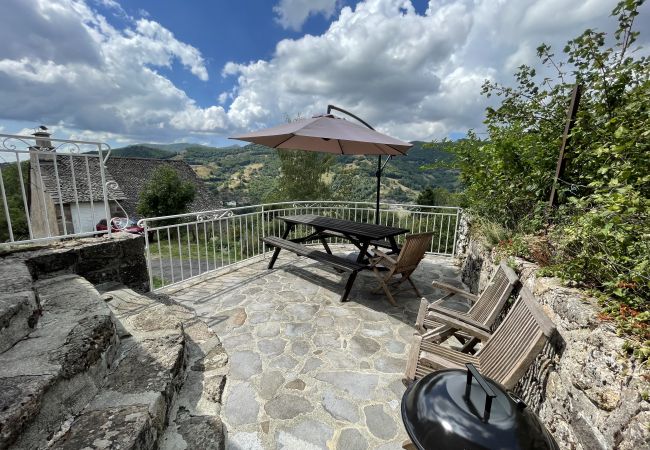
[[357, 229]]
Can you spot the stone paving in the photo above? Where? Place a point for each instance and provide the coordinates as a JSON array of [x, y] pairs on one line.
[[307, 371]]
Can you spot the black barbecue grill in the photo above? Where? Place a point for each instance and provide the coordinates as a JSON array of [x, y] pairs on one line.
[[456, 409]]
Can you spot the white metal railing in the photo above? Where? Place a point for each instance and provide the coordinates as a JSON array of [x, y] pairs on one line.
[[185, 246], [52, 188]]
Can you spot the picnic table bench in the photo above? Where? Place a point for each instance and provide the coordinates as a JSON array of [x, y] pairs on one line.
[[360, 234], [337, 262]]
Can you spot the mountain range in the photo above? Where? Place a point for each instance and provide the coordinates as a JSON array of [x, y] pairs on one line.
[[246, 175]]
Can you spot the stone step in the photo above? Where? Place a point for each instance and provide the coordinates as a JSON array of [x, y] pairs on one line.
[[133, 407], [194, 414], [19, 308], [53, 372]]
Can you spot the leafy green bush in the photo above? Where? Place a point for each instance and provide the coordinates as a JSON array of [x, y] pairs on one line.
[[165, 194], [599, 236]]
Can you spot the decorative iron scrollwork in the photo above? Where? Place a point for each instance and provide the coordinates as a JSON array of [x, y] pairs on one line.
[[12, 147], [214, 216]]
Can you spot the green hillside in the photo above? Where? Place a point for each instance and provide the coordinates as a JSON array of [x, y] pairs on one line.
[[143, 151], [246, 174]]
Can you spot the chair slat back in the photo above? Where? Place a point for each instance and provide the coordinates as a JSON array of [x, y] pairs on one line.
[[516, 342], [490, 303], [413, 251]]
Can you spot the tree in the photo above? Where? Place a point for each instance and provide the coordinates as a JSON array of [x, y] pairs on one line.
[[437, 197], [301, 175], [16, 206], [165, 194]]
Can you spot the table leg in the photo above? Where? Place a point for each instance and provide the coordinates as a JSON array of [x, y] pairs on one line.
[[363, 251], [276, 252], [327, 248], [393, 245], [348, 286]]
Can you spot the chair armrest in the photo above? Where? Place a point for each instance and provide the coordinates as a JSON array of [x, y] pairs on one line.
[[382, 256], [437, 309], [465, 325], [454, 289]]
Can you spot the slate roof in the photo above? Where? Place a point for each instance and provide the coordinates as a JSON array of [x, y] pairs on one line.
[[130, 174], [85, 169]]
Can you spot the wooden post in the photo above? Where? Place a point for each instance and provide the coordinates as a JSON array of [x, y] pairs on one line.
[[570, 121]]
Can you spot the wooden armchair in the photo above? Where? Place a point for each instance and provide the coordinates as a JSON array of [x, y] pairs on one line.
[[506, 354], [436, 323], [403, 264]]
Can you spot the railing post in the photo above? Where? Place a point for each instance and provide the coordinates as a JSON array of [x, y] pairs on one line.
[[458, 215], [6, 207], [148, 252], [102, 174], [263, 234]]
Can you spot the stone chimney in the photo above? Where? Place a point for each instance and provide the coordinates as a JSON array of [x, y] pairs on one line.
[[42, 139]]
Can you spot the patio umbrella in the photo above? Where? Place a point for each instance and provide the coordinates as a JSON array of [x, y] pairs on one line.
[[330, 134]]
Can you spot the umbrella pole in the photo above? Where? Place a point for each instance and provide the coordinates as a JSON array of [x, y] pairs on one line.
[[378, 189], [379, 167]]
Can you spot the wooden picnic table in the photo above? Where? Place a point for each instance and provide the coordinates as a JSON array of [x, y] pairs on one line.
[[362, 235]]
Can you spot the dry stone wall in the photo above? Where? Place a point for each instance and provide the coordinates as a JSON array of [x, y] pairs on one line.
[[119, 259], [118, 370], [588, 391]]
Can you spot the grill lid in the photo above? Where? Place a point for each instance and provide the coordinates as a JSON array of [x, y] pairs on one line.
[[453, 409]]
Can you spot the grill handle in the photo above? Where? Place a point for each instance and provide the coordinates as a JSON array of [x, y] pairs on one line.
[[489, 393]]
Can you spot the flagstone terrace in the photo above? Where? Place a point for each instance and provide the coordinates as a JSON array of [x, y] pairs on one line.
[[305, 369]]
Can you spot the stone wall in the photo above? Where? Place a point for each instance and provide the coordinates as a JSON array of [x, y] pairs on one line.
[[120, 259], [118, 370], [587, 390]]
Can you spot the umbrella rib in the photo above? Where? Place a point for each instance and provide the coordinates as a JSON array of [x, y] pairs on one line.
[[396, 149], [338, 141], [383, 152], [290, 136]]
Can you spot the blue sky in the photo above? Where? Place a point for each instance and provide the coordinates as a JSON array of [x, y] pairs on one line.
[[202, 70]]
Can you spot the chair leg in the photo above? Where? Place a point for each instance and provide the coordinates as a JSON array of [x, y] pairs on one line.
[[468, 347], [422, 313], [408, 445], [417, 292], [412, 361], [406, 276], [382, 281]]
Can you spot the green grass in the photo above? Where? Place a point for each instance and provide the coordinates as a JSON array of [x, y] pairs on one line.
[[197, 249]]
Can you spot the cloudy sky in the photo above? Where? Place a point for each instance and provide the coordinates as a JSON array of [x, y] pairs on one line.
[[203, 70]]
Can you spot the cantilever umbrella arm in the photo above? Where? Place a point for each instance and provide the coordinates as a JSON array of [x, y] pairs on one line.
[[380, 167]]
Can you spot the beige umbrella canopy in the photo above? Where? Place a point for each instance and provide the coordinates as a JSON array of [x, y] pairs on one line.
[[330, 134]]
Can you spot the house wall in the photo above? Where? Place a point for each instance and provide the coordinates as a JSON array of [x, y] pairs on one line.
[[43, 224], [86, 217]]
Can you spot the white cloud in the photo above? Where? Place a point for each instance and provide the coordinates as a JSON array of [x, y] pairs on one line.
[[413, 75], [292, 14], [381, 60], [200, 119], [73, 67], [416, 76], [157, 45]]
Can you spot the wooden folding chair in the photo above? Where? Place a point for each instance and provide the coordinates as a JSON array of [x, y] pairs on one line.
[[403, 264], [436, 323], [506, 354]]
